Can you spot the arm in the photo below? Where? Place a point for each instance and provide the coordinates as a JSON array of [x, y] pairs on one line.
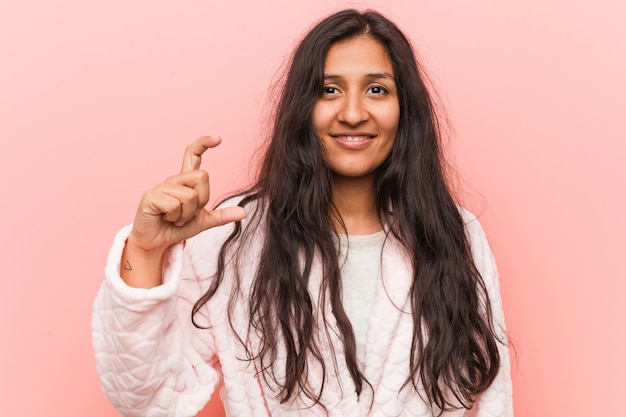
[[150, 358]]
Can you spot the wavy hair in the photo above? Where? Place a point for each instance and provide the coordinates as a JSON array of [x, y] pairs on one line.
[[454, 355]]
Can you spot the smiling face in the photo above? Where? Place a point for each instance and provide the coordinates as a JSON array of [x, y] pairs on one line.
[[356, 117]]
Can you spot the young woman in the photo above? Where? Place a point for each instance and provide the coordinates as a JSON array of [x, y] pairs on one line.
[[345, 282]]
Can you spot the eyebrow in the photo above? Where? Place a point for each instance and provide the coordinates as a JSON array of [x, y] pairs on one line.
[[374, 75]]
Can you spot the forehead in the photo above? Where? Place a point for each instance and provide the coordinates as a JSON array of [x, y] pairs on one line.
[[355, 55]]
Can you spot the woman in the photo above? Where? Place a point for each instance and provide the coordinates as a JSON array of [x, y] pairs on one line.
[[345, 282]]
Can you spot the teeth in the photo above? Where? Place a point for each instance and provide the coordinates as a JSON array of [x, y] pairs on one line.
[[354, 138]]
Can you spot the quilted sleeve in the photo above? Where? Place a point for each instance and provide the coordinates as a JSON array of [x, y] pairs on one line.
[[150, 359], [497, 400]]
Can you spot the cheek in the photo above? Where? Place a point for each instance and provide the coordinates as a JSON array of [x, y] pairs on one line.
[[388, 118], [321, 116]]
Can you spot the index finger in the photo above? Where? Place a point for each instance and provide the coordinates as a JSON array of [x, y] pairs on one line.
[[193, 153]]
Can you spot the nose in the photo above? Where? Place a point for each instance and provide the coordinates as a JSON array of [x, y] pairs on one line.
[[353, 110]]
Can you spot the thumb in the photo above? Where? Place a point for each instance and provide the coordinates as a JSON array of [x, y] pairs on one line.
[[214, 218]]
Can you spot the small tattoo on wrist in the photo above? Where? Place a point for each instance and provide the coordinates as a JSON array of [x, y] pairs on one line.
[[127, 266]]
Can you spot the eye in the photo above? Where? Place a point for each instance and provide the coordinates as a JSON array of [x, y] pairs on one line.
[[378, 89], [330, 90]]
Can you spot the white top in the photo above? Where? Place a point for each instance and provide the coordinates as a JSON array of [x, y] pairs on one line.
[[359, 257]]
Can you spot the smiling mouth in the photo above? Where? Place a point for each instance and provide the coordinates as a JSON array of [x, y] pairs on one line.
[[353, 135], [353, 138], [353, 141]]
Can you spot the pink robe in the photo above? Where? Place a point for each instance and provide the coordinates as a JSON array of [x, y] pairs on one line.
[[152, 361]]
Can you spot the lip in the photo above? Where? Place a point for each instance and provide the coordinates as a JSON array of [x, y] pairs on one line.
[[353, 140]]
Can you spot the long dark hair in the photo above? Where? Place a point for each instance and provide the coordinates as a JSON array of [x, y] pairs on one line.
[[454, 348]]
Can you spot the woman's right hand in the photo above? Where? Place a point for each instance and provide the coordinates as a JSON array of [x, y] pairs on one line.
[[172, 212]]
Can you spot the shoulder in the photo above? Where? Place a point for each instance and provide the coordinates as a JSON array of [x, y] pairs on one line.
[[481, 250], [473, 229]]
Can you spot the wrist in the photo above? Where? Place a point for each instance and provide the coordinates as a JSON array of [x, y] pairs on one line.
[[141, 253], [141, 268]]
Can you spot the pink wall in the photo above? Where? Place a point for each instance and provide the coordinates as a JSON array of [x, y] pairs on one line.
[[97, 103]]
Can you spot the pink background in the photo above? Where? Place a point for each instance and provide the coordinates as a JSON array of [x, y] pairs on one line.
[[99, 99]]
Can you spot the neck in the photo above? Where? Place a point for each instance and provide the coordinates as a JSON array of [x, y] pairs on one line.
[[355, 201]]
